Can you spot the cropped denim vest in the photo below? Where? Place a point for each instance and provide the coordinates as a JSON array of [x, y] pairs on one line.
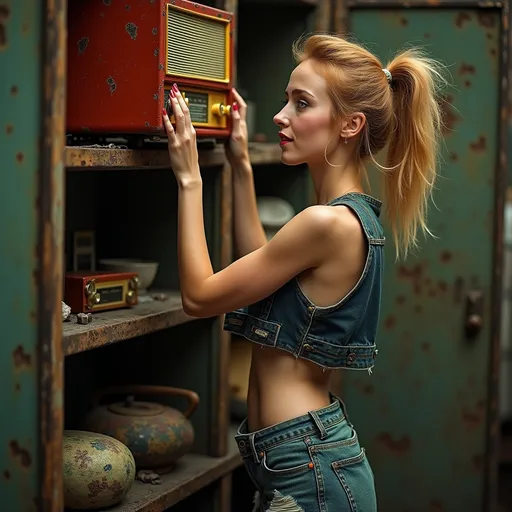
[[338, 336]]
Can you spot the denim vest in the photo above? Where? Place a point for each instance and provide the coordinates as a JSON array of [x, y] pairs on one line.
[[338, 336]]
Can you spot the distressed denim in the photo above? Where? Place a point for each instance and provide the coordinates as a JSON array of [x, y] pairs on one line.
[[312, 463], [339, 336]]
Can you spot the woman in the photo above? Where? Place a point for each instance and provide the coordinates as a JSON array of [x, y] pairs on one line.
[[314, 290]]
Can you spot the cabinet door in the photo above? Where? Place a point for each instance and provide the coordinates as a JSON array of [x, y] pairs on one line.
[[423, 414]]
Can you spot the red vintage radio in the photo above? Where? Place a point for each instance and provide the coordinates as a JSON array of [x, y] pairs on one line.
[[123, 58]]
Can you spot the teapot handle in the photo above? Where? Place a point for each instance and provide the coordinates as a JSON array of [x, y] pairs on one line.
[[139, 389]]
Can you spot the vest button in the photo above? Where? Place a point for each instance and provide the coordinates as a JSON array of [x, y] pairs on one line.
[[308, 347], [351, 358], [311, 308]]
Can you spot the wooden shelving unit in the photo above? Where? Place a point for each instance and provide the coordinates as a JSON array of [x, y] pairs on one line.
[[53, 190]]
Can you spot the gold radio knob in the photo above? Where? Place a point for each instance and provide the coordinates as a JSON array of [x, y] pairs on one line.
[[130, 297], [185, 97], [228, 110], [90, 288], [134, 283], [219, 109], [93, 299]]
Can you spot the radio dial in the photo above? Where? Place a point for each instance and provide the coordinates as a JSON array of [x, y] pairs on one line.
[[168, 107], [130, 297], [90, 288], [219, 109], [93, 299], [134, 283]]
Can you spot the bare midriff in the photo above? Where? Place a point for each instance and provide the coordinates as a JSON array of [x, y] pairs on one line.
[[282, 387]]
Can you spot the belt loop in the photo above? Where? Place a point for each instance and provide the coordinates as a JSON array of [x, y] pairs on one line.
[[319, 424], [344, 411], [253, 449]]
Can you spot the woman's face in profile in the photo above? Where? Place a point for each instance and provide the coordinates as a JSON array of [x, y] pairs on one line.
[[305, 121]]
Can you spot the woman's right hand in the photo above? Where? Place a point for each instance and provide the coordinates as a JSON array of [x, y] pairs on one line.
[[237, 147]]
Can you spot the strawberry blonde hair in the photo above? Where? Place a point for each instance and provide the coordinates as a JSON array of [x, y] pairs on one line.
[[403, 114]]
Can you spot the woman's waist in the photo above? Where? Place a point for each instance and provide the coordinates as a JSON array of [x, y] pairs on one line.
[[313, 422]]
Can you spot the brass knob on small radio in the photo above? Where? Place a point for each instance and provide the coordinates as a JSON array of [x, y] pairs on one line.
[[134, 283], [93, 299], [219, 109], [130, 297], [90, 288]]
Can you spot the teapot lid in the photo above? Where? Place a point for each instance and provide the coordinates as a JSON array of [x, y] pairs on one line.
[[132, 408]]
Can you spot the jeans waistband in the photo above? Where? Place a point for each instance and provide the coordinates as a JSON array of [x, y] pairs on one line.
[[253, 444]]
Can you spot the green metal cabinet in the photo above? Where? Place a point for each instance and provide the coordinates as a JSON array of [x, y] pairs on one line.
[[428, 413]]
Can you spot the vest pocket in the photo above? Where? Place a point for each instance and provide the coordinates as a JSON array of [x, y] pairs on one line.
[[356, 478], [252, 328]]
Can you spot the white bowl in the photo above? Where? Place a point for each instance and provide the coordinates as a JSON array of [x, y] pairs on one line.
[[146, 270]]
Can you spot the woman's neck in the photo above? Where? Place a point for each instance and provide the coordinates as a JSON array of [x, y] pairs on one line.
[[331, 182]]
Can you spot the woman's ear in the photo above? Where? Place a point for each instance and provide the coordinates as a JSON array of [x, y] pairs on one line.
[[352, 125]]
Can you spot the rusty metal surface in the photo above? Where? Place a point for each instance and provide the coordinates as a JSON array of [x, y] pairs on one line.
[[31, 143], [114, 326], [85, 158], [428, 414]]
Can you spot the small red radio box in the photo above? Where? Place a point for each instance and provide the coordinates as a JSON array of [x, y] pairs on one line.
[[123, 58]]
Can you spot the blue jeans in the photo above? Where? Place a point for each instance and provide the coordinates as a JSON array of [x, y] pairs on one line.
[[312, 463]]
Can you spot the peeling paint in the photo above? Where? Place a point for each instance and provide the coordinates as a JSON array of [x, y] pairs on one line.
[[131, 29], [82, 45]]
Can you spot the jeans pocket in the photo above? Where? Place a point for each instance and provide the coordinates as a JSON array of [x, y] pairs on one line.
[[287, 459], [356, 478]]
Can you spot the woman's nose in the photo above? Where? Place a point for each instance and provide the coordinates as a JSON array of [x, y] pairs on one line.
[[280, 119]]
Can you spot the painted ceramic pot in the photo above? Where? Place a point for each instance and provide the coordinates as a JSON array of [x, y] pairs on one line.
[[156, 434], [98, 470]]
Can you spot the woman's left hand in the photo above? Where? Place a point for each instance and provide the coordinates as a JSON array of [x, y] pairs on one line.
[[182, 140]]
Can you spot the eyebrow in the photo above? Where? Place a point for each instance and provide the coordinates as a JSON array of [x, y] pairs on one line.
[[300, 91]]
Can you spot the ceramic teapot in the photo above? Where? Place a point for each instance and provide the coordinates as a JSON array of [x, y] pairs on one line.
[[156, 434]]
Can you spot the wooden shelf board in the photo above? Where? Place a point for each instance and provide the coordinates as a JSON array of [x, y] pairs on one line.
[[88, 158], [192, 473], [113, 326], [281, 2]]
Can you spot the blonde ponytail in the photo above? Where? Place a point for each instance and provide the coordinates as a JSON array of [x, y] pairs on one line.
[[402, 112], [413, 146]]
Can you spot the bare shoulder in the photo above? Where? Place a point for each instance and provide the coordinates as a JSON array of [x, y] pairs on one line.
[[339, 221]]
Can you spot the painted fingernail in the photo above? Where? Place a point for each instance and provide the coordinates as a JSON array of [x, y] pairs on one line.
[[164, 112], [172, 94], [235, 106], [175, 87]]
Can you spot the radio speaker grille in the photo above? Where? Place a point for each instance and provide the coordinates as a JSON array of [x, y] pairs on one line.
[[196, 46]]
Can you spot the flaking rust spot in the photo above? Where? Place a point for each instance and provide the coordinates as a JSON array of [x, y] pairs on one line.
[[20, 357], [398, 447], [467, 69], [82, 45], [479, 145], [461, 18], [449, 115], [108, 3], [19, 453], [131, 29], [4, 15]]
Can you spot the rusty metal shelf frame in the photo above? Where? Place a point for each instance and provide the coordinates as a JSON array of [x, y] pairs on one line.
[[85, 158]]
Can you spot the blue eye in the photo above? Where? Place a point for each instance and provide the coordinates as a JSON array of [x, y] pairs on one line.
[[302, 104]]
